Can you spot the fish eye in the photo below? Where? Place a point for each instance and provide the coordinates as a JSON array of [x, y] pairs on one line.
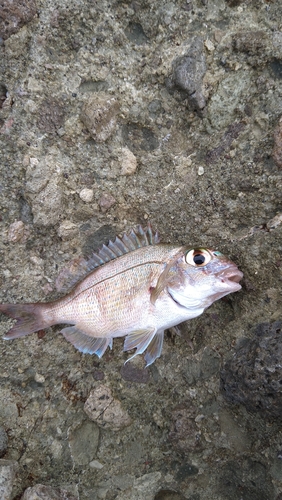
[[198, 257]]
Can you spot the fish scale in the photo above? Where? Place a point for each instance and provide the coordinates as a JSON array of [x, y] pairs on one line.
[[134, 288]]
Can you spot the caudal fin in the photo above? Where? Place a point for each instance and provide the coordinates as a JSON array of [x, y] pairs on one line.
[[28, 316]]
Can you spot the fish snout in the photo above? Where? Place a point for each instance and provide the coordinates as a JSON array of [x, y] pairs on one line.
[[231, 277]]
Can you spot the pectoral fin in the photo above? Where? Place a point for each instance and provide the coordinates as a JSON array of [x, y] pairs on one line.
[[86, 344]]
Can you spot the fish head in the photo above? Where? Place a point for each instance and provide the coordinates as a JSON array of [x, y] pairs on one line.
[[200, 276]]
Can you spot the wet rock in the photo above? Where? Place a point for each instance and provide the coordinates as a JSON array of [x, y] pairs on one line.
[[16, 231], [95, 241], [128, 162], [106, 202], [50, 116], [132, 373], [188, 73], [208, 366], [3, 441], [8, 470], [277, 148], [135, 34], [246, 479], [44, 189], [168, 495], [99, 115], [184, 433], [83, 441], [251, 42], [15, 14], [41, 492], [139, 138], [253, 376], [86, 195], [105, 410]]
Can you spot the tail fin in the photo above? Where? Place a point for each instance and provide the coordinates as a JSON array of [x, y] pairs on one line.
[[28, 316]]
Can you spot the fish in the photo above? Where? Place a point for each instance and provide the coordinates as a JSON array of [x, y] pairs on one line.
[[135, 287]]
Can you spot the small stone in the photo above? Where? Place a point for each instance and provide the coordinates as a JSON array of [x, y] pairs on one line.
[[40, 379], [105, 410], [42, 492], [188, 73], [16, 231], [67, 230], [83, 441], [86, 195], [96, 465], [128, 161], [201, 171], [3, 441], [106, 202], [99, 115], [277, 149], [209, 45], [8, 470]]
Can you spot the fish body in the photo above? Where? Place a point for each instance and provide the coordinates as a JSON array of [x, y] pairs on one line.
[[135, 288]]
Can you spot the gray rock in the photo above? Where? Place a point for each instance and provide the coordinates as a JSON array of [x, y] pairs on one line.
[[188, 72], [3, 441], [253, 376], [41, 492], [8, 470], [103, 408], [99, 115], [83, 441]]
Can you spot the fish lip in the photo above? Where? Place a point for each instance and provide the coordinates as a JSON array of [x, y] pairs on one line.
[[231, 276]]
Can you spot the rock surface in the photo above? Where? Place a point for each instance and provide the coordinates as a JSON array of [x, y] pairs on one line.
[[113, 114]]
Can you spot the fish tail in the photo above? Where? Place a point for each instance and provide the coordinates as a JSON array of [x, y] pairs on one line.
[[29, 319]]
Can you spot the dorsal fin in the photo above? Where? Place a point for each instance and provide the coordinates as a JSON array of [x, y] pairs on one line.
[[80, 267]]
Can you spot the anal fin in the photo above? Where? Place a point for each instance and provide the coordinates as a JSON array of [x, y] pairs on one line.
[[86, 344], [148, 340]]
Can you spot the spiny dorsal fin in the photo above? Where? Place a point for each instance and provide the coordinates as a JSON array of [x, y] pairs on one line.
[[128, 242]]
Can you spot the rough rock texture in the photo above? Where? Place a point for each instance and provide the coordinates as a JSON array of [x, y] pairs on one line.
[[41, 492], [113, 114], [3, 441], [104, 409], [253, 376], [8, 470], [188, 72], [277, 148], [99, 117]]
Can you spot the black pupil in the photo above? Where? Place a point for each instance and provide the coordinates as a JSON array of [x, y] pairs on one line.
[[199, 259]]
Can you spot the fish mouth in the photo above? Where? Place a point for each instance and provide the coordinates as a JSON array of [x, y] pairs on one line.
[[231, 277]]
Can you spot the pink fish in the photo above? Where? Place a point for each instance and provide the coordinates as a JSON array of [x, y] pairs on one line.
[[135, 288]]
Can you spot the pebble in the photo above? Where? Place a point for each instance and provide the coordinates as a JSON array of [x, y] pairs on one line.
[[42, 492], [201, 171], [96, 465], [3, 441], [106, 202], [99, 115], [16, 231], [105, 410], [86, 195], [8, 470], [188, 73], [128, 162], [67, 230]]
